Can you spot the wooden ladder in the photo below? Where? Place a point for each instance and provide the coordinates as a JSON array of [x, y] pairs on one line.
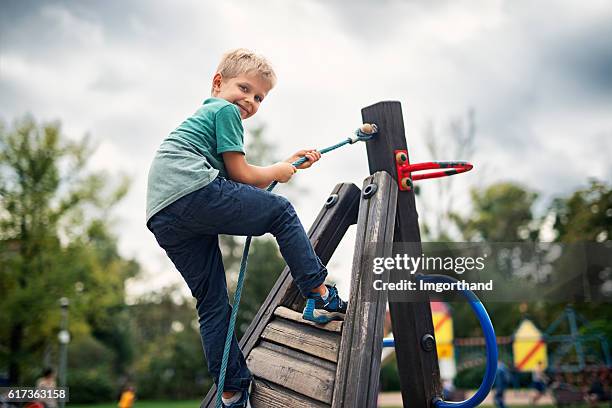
[[297, 363]]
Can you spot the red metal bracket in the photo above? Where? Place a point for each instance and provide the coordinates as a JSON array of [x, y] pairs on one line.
[[405, 178]]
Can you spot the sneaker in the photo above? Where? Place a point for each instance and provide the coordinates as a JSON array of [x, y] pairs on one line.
[[243, 402], [323, 311]]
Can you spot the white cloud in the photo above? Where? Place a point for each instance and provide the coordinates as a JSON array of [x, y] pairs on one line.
[[129, 73]]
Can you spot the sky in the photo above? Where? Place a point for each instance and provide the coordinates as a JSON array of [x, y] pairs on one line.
[[537, 77]]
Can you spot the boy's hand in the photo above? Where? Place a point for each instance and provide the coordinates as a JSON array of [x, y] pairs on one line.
[[284, 171], [311, 154]]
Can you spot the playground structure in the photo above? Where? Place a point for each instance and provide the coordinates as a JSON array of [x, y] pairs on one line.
[[564, 347], [297, 363], [575, 351]]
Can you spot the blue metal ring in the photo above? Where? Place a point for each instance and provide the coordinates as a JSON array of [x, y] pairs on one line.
[[490, 341]]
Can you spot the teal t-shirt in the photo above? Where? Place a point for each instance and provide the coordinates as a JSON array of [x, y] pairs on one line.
[[191, 156]]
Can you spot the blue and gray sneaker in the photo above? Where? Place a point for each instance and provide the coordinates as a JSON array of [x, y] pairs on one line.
[[323, 311], [243, 402]]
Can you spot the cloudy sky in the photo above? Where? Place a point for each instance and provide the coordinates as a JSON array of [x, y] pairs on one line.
[[537, 75]]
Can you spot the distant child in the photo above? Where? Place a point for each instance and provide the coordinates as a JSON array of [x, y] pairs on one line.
[[502, 381], [538, 382], [47, 382], [128, 395], [201, 185]]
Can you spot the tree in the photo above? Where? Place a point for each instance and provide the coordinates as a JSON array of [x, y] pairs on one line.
[[501, 213], [170, 362], [586, 215], [54, 242]]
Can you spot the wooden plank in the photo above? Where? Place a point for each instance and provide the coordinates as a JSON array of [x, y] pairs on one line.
[[358, 371], [292, 372], [411, 320], [297, 355], [286, 313], [307, 339], [325, 234], [268, 395]]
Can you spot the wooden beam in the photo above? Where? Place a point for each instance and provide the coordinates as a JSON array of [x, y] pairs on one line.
[[418, 369], [326, 233], [295, 371], [286, 313], [268, 395], [358, 371], [304, 338]]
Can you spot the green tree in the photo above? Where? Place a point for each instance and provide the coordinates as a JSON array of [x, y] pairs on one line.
[[170, 362], [501, 213], [586, 215], [54, 242], [504, 213]]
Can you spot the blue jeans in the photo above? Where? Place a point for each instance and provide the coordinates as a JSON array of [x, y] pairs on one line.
[[188, 231]]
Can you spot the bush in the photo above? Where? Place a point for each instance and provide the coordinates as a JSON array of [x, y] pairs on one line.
[[389, 377], [470, 378], [90, 371], [90, 386]]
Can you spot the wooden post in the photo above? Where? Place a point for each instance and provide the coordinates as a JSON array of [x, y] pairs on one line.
[[358, 371], [411, 321], [325, 234]]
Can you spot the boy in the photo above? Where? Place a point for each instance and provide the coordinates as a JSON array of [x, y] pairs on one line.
[[200, 185]]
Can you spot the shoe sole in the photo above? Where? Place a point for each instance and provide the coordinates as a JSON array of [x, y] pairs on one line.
[[249, 392], [321, 316]]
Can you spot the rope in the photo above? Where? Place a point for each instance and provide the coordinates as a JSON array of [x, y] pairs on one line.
[[366, 132]]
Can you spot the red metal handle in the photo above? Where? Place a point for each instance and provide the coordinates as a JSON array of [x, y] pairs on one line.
[[405, 170]]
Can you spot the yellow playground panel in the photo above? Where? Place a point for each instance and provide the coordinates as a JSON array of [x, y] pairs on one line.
[[529, 347]]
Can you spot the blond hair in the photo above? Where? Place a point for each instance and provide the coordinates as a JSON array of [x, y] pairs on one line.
[[242, 61]]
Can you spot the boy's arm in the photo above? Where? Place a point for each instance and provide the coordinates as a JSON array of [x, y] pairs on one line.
[[239, 170]]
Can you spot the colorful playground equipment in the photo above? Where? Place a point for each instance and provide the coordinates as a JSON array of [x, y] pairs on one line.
[[573, 350], [491, 348], [297, 363]]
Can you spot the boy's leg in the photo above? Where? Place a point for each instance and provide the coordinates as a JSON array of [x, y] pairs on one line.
[[199, 261], [240, 209]]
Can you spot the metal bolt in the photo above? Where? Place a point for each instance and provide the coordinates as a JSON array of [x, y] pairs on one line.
[[406, 183], [331, 201], [428, 342], [369, 190], [401, 157]]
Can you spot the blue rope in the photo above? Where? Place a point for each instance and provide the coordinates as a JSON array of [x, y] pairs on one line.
[[490, 341], [360, 135]]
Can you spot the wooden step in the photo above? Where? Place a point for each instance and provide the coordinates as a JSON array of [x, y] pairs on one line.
[[304, 338], [268, 395], [284, 312], [299, 372]]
